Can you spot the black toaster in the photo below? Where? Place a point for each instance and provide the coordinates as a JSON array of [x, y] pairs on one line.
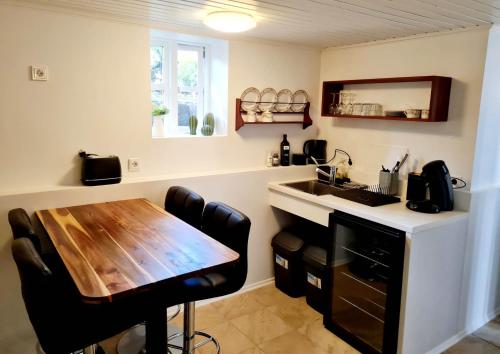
[[99, 170]]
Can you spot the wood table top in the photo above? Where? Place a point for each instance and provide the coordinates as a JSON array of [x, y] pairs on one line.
[[117, 247]]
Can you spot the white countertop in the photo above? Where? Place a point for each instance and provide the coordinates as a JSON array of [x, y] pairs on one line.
[[394, 215]]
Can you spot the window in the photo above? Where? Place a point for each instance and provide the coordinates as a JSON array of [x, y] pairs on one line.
[[181, 81]]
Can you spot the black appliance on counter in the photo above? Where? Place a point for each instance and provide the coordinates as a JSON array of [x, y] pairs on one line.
[[364, 285], [436, 178], [316, 149], [99, 170]]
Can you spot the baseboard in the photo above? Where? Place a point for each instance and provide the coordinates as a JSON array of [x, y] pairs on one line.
[[244, 289], [447, 344]]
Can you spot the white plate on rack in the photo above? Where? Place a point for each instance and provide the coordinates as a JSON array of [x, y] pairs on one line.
[[284, 100], [250, 99], [268, 98], [299, 100]]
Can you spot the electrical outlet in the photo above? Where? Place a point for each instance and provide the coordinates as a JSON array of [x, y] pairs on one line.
[[134, 164]]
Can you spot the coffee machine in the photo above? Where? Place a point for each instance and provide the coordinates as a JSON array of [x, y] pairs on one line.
[[432, 190]]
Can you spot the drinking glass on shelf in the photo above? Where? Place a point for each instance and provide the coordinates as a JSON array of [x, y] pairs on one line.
[[332, 107], [349, 104]]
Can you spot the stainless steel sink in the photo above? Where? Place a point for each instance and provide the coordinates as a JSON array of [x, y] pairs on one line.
[[356, 193], [312, 187]]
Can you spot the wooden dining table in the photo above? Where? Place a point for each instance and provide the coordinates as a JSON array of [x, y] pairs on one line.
[[121, 248]]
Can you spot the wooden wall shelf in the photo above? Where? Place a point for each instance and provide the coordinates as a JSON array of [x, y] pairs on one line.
[[439, 100], [306, 119]]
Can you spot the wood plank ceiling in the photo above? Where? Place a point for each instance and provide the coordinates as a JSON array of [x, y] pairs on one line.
[[318, 23]]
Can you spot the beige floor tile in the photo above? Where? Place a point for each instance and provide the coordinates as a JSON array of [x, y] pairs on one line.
[[289, 343], [261, 326], [490, 332], [231, 340], [270, 296], [254, 350], [295, 314], [473, 345], [324, 340], [109, 345], [237, 306]]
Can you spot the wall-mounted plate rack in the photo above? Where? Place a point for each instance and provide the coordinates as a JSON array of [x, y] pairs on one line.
[[306, 118]]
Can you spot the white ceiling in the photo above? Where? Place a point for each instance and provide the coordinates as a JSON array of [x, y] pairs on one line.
[[319, 23]]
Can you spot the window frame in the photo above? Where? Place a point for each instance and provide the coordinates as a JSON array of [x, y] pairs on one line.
[[170, 85]]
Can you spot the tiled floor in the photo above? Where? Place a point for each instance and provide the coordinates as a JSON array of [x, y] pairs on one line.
[[486, 340], [267, 321], [262, 321]]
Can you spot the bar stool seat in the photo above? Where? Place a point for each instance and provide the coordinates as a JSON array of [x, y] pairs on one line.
[[232, 228]]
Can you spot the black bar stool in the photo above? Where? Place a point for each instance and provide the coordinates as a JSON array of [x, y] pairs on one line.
[[232, 228]]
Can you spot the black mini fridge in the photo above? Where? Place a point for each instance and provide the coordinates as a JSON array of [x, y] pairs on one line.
[[364, 283]]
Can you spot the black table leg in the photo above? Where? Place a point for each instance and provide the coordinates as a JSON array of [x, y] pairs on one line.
[[156, 332]]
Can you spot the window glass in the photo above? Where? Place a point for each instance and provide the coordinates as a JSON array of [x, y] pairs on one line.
[[156, 55], [157, 98], [185, 82], [188, 70]]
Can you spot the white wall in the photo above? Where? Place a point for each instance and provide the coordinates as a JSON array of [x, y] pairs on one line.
[[482, 266], [468, 142], [246, 191], [372, 143], [97, 98]]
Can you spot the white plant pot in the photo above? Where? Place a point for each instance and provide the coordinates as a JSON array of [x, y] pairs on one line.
[[158, 126]]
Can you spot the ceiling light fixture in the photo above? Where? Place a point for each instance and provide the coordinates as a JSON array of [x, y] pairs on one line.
[[230, 21]]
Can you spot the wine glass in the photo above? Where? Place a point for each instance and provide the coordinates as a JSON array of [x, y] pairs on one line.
[[331, 107]]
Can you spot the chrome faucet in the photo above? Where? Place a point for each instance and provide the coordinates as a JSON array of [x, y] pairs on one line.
[[331, 175]]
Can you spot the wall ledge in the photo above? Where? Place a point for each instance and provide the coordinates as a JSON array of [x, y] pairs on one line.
[[147, 179]]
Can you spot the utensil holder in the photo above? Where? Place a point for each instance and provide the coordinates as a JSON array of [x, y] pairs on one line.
[[389, 182]]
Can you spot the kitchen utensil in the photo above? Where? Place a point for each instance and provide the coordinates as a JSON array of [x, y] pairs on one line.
[[299, 100], [250, 98], [284, 100], [402, 163], [268, 98], [395, 167], [389, 182]]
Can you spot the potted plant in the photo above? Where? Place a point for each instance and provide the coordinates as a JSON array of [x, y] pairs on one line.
[[159, 113]]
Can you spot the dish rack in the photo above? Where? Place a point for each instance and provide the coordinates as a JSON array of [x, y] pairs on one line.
[[373, 195]]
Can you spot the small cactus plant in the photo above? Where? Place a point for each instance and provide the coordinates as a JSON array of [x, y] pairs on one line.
[[208, 125], [193, 124]]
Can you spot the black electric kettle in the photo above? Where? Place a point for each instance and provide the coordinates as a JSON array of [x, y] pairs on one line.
[[316, 149]]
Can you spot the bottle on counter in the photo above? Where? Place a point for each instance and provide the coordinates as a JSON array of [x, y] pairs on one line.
[[285, 152]]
